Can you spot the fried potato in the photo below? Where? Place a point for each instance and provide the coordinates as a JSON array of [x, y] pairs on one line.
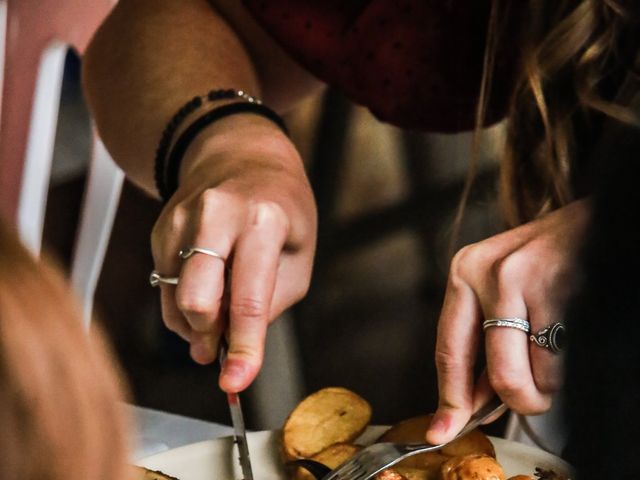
[[429, 473], [472, 467], [332, 456], [146, 474], [331, 415], [324, 425], [413, 430], [390, 474], [474, 442]]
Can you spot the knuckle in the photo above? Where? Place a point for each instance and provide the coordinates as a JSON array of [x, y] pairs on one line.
[[178, 218], [248, 307], [273, 213], [250, 355], [301, 291], [507, 383], [531, 407], [463, 261], [176, 325], [171, 323], [447, 362], [509, 268], [191, 304], [211, 200], [245, 351], [209, 197], [169, 224], [459, 260]]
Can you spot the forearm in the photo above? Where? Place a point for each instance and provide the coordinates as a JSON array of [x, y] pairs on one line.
[[149, 58]]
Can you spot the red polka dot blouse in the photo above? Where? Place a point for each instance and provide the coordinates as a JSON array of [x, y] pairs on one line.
[[414, 63]]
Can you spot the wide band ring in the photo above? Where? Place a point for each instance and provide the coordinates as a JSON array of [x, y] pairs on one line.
[[155, 279], [189, 251], [511, 322], [551, 337]]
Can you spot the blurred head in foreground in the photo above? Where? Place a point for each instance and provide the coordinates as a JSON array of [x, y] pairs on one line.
[[61, 412]]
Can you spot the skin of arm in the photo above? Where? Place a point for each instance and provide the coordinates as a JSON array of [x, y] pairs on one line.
[[242, 189], [150, 56]]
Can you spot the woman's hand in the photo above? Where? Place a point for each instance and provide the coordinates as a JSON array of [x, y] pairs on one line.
[[526, 272], [244, 194], [243, 191]]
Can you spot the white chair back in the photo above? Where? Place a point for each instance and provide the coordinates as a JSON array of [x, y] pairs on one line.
[[35, 41]]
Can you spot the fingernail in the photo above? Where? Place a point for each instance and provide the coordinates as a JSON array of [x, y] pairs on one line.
[[233, 373]]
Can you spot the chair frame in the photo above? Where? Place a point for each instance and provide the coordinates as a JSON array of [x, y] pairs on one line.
[[34, 48]]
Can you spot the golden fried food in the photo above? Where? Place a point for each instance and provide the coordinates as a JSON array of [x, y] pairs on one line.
[[332, 456], [390, 474], [324, 426], [331, 415], [430, 473], [413, 430], [146, 474], [472, 467], [474, 442]]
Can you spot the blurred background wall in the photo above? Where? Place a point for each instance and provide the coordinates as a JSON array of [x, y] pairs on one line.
[[386, 200]]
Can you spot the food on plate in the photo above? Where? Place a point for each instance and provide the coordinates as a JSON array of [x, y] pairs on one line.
[[146, 474], [329, 416], [325, 426], [431, 472], [413, 430], [332, 456], [390, 474], [472, 467], [428, 466]]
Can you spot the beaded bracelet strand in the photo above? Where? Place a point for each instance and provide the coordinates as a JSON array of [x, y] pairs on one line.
[[182, 143], [160, 163]]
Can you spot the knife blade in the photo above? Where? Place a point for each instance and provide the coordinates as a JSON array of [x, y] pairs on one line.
[[237, 420]]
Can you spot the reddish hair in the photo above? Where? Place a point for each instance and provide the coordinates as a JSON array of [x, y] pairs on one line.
[[61, 410]]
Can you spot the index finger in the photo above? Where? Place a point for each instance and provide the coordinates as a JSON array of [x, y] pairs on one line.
[[456, 346], [253, 278]]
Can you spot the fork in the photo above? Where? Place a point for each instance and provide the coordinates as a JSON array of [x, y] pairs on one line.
[[379, 456]]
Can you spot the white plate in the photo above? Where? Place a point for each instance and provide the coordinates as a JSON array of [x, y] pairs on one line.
[[217, 459]]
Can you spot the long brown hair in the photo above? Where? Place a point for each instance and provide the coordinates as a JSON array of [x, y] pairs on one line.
[[61, 410], [575, 55]]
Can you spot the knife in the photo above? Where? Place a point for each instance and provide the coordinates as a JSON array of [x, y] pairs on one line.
[[237, 420]]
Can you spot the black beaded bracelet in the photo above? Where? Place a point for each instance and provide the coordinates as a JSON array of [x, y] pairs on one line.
[[160, 164], [177, 153]]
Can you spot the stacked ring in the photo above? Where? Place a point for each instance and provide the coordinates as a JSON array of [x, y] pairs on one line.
[[156, 278], [189, 251], [511, 322]]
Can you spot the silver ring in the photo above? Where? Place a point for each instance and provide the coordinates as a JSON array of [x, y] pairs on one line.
[[189, 251], [512, 322], [155, 279], [551, 337]]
